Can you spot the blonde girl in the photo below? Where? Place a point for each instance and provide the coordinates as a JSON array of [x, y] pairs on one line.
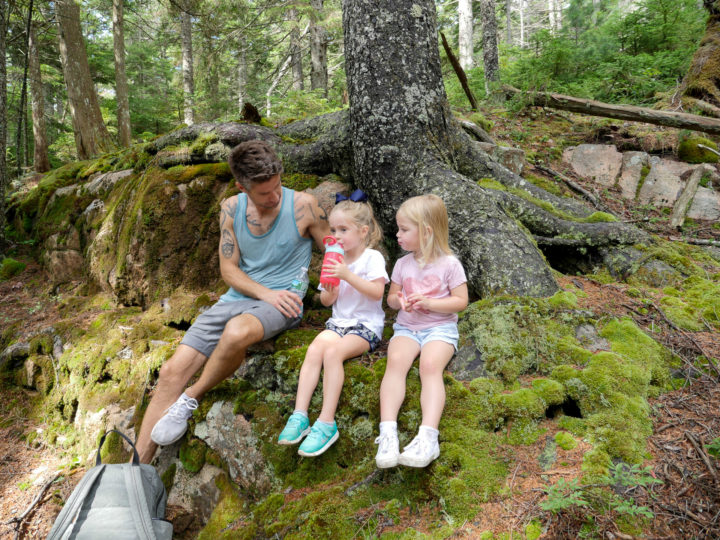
[[429, 288], [354, 328]]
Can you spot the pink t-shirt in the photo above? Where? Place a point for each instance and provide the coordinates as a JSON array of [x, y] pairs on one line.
[[434, 280]]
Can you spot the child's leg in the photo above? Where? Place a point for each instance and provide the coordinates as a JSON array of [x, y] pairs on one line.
[[349, 346], [434, 356], [310, 370], [401, 354]]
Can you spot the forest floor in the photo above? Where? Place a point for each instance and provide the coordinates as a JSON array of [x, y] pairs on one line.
[[685, 505]]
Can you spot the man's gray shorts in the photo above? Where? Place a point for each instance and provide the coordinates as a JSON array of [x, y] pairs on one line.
[[205, 332]]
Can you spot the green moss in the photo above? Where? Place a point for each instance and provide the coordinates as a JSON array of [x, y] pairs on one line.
[[698, 304], [192, 455], [230, 510], [295, 338], [563, 300], [690, 152], [523, 403], [168, 477], [10, 267], [491, 183], [548, 185], [600, 217], [481, 120], [551, 392], [565, 441], [643, 175], [299, 181], [197, 148], [42, 344], [113, 450]]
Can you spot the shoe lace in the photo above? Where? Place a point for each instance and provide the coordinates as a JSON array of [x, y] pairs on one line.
[[384, 440], [182, 407], [294, 421], [419, 445]]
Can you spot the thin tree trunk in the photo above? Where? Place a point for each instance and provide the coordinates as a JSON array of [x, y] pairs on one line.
[[551, 15], [295, 51], [521, 10], [508, 22], [459, 72], [318, 49], [465, 33], [275, 82], [4, 12], [41, 162], [558, 14], [21, 153], [121, 85], [187, 68], [241, 77], [490, 47], [621, 112], [91, 135]]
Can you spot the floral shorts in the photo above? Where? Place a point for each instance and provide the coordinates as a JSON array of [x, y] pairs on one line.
[[358, 330]]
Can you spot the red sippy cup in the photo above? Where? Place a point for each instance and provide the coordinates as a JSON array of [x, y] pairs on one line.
[[333, 252]]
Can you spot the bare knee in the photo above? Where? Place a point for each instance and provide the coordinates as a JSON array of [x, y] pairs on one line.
[[239, 335], [332, 357], [430, 369]]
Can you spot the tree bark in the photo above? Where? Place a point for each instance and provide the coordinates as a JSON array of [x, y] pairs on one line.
[[490, 46], [187, 68], [242, 78], [21, 153], [295, 51], [465, 33], [702, 81], [4, 12], [121, 85], [318, 49], [508, 22], [41, 162], [91, 135], [621, 112]]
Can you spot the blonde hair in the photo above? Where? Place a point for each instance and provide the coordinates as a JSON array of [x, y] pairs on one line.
[[428, 212], [361, 214]]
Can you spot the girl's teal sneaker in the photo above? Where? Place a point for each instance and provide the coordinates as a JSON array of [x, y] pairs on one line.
[[322, 436], [296, 428]]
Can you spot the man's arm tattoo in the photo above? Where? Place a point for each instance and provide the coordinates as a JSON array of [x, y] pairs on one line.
[[227, 211], [228, 244], [323, 215]]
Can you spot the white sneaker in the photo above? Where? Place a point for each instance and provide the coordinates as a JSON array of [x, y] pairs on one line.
[[173, 425], [419, 453], [388, 450]]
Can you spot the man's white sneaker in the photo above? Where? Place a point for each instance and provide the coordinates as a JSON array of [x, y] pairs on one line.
[[173, 425], [388, 450], [419, 453]]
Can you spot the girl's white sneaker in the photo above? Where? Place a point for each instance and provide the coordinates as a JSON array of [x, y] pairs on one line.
[[420, 452], [388, 450]]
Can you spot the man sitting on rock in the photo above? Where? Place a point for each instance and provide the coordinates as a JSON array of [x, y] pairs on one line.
[[266, 234]]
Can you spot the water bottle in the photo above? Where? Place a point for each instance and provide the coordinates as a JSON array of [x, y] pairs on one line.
[[333, 252], [300, 282]]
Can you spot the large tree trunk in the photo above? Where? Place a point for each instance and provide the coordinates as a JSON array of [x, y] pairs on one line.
[[4, 12], [621, 112], [405, 142], [187, 68], [296, 51], [465, 33], [490, 46], [41, 162], [91, 135], [318, 49], [121, 85], [702, 81]]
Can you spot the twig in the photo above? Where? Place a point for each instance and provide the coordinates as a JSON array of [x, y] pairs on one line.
[[19, 519], [697, 345], [369, 478], [702, 454], [572, 185]]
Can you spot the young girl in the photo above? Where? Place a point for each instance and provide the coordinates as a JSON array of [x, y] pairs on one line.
[[355, 327], [428, 287]]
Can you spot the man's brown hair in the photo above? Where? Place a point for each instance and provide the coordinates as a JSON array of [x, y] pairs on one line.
[[254, 162]]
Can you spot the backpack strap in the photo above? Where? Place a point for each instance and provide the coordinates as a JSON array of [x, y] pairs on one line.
[[66, 518], [138, 502], [136, 457]]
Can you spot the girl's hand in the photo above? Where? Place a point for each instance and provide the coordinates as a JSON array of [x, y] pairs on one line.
[[419, 302], [404, 304], [336, 269]]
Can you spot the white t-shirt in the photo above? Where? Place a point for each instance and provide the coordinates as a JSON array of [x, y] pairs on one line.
[[352, 307]]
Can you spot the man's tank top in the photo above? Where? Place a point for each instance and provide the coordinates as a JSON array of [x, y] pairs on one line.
[[274, 258]]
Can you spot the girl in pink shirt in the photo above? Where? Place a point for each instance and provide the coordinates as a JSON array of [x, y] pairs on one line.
[[428, 287]]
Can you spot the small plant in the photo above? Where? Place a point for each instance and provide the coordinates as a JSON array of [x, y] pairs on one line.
[[714, 448]]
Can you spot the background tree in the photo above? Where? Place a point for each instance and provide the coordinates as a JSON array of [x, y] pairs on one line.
[[121, 86], [41, 161], [91, 134], [318, 48], [702, 82], [490, 44], [465, 33], [187, 67], [4, 11]]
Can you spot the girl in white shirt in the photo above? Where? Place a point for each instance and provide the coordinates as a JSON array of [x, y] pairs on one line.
[[355, 326]]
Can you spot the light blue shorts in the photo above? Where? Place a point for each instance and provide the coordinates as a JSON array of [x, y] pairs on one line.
[[444, 332]]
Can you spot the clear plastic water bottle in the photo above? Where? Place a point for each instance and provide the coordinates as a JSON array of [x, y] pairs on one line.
[[300, 283]]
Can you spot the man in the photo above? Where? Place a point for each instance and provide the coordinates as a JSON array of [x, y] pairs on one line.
[[266, 234]]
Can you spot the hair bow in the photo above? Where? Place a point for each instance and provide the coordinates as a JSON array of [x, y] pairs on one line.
[[356, 196]]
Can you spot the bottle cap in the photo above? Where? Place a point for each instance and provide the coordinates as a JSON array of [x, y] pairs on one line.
[[329, 240]]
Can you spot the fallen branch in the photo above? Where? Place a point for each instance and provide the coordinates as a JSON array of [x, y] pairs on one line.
[[369, 478], [572, 185], [17, 521], [460, 72], [620, 112], [708, 148], [702, 454], [695, 241]]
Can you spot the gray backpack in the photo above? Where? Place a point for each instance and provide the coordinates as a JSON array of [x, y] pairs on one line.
[[125, 501]]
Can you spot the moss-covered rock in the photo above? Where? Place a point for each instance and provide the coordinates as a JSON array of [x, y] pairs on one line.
[[689, 151], [10, 267]]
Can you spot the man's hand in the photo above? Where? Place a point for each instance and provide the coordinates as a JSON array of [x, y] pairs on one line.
[[286, 302]]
